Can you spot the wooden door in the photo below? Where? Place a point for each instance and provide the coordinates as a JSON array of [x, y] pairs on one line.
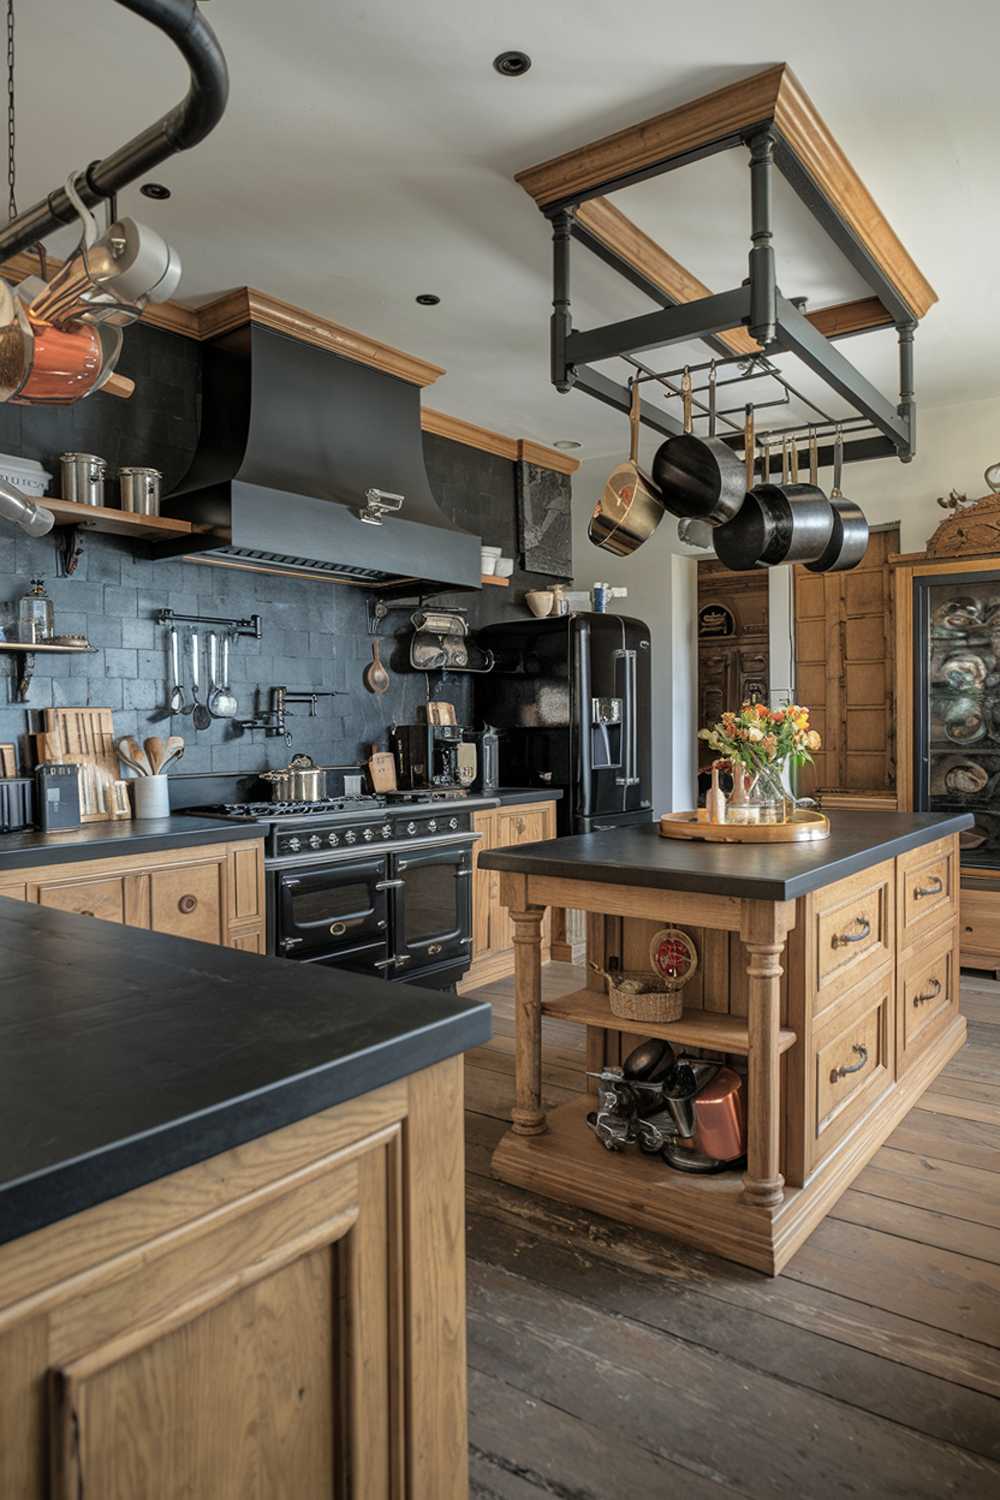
[[189, 900], [844, 671]]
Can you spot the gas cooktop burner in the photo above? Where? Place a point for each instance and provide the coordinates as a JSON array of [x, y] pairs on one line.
[[361, 803]]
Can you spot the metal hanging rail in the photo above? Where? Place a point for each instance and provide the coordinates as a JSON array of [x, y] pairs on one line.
[[179, 129]]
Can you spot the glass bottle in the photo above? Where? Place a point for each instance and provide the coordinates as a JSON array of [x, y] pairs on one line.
[[34, 614]]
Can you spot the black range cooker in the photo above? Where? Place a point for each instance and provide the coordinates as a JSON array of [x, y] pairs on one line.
[[367, 884]]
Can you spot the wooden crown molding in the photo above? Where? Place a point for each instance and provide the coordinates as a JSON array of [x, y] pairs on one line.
[[722, 118], [244, 304], [487, 441]]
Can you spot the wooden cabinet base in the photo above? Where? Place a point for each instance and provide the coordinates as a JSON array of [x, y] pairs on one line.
[[568, 1164], [286, 1319]]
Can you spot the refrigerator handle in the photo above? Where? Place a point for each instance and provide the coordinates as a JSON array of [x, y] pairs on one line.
[[630, 778]]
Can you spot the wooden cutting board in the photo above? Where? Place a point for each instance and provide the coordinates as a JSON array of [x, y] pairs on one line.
[[87, 736], [382, 770]]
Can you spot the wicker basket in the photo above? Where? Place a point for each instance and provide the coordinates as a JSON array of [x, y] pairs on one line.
[[640, 996]]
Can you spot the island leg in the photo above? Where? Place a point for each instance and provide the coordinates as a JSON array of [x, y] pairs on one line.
[[527, 1116], [763, 928]]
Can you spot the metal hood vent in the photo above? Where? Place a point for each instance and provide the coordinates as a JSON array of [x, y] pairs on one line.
[[292, 440]]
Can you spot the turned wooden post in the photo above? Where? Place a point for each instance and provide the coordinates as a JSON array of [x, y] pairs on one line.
[[763, 928], [527, 1116]]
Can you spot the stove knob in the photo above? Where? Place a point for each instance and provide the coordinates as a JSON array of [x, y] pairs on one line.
[[387, 830], [369, 835], [452, 823], [350, 837], [293, 844], [332, 840], [315, 842], [411, 828], [432, 826]]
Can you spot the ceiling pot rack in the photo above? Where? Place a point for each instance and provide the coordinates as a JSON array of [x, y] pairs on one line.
[[771, 117]]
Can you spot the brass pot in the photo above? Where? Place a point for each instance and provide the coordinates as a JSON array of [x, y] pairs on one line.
[[630, 507]]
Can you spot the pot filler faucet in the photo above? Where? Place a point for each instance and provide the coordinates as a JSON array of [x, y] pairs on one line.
[[273, 722]]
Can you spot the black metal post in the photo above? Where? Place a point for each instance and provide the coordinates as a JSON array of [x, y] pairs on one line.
[[763, 309], [562, 318], [907, 396]]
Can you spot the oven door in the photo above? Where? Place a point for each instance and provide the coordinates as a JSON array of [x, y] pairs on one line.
[[432, 908], [333, 913]]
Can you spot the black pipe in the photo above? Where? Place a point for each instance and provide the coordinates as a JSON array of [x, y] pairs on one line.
[[179, 129]]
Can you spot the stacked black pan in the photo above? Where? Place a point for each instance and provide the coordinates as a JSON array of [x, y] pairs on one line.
[[758, 525]]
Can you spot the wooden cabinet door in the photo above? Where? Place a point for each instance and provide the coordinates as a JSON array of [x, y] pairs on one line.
[[529, 824], [189, 900], [485, 884], [104, 896]]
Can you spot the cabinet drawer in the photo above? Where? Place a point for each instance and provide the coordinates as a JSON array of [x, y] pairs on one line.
[[928, 998], [855, 1063], [926, 889], [852, 932], [98, 897], [979, 921], [187, 900]]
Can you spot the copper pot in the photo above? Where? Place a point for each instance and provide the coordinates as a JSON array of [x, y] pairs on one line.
[[630, 507]]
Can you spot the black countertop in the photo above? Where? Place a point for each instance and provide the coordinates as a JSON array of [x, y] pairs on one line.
[[127, 1055], [507, 796], [130, 836], [766, 872]]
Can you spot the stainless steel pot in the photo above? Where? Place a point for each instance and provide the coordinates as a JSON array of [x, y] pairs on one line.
[[83, 477], [140, 490], [301, 781]]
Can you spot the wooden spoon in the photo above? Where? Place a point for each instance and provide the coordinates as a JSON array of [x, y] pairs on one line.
[[172, 750], [154, 753], [375, 677], [132, 753]]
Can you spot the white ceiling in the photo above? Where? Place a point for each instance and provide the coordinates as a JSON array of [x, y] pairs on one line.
[[368, 154]]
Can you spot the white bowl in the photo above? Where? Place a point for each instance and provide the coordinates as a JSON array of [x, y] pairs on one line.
[[505, 567], [487, 565], [539, 601]]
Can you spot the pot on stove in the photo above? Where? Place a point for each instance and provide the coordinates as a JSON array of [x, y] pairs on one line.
[[300, 781]]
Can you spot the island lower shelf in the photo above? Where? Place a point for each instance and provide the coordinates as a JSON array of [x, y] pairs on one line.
[[713, 1030]]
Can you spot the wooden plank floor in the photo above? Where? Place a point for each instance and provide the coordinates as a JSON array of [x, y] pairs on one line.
[[607, 1362]]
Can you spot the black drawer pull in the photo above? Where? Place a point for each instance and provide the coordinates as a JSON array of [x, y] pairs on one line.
[[934, 889], [841, 939], [862, 1053], [930, 994]]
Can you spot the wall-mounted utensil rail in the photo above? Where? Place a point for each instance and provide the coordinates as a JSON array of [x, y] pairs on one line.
[[248, 625], [179, 129]]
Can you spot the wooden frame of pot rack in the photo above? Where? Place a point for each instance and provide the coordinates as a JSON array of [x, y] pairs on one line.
[[771, 116]]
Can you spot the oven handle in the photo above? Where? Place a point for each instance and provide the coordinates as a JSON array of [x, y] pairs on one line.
[[389, 885]]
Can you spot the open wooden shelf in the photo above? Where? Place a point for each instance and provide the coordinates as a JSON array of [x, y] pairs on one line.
[[494, 581], [116, 522], [696, 1028]]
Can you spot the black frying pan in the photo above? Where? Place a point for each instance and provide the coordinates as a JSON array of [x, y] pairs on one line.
[[849, 539], [777, 523], [699, 478]]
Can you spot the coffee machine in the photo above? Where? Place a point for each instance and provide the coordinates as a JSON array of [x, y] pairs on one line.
[[685, 1109], [432, 756]]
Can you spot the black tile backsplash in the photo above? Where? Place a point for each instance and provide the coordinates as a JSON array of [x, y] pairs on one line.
[[314, 633]]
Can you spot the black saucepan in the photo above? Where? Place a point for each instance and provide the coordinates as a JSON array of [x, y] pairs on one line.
[[849, 539], [700, 478], [777, 523]]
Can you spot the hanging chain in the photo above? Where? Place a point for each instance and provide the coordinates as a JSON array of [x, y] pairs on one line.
[[11, 120]]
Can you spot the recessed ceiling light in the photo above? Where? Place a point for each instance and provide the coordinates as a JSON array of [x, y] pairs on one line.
[[154, 190], [512, 64], [428, 299], [566, 443]]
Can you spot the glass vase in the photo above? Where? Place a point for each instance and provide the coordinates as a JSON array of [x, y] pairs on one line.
[[768, 801]]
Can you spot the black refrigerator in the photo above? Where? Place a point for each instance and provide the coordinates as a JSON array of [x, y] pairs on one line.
[[571, 699]]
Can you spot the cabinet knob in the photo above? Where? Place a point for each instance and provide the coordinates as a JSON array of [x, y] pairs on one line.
[[434, 949], [187, 904]]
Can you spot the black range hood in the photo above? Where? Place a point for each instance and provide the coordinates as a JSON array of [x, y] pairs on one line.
[[292, 439]]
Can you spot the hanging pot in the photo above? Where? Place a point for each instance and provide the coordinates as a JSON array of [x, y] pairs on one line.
[[777, 523], [849, 538], [701, 478], [630, 507]]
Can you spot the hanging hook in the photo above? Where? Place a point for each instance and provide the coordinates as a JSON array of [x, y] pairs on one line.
[[90, 230]]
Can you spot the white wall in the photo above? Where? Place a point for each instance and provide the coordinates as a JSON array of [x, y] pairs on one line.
[[955, 444]]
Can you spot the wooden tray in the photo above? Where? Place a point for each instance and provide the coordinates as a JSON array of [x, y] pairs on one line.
[[804, 826]]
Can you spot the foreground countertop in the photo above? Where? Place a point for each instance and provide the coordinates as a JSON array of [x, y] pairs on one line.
[[19, 851], [127, 1055], [766, 872]]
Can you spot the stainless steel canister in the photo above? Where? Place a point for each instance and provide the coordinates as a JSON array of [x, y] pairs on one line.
[[83, 477], [140, 490]]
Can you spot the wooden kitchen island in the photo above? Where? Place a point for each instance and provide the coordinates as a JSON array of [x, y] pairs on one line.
[[829, 971]]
